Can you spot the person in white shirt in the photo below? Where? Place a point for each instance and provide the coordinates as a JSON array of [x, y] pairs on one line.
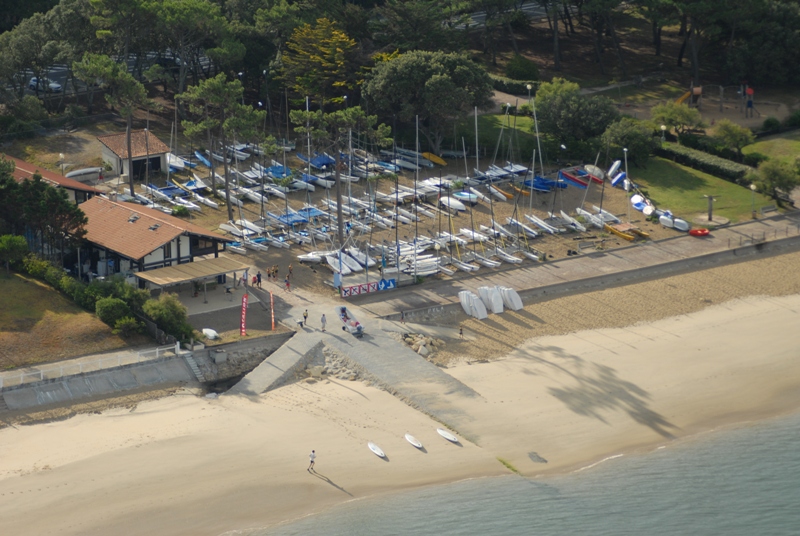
[[311, 458]]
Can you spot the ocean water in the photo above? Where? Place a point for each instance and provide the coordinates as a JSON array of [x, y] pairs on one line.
[[738, 481]]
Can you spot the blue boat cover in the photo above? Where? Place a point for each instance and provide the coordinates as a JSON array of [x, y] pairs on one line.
[[310, 212], [288, 219], [320, 161]]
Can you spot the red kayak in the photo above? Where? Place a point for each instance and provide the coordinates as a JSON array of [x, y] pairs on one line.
[[699, 232]]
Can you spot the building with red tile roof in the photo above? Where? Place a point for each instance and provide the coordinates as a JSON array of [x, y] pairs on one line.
[[144, 146], [126, 238], [77, 192]]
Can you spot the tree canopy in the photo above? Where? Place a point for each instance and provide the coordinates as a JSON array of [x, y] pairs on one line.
[[567, 115], [319, 62], [734, 136], [678, 117], [439, 87]]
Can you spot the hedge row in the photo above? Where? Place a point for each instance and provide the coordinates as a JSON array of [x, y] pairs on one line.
[[714, 146], [701, 161], [513, 87], [98, 297]]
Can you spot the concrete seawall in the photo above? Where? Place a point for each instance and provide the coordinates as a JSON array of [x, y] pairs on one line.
[[74, 388], [445, 306]]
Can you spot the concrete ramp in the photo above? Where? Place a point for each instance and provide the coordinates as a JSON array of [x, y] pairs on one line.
[[387, 362], [280, 366]]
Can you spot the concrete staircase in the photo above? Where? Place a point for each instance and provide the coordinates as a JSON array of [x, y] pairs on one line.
[[194, 368]]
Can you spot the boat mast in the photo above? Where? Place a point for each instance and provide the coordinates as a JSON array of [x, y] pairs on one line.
[[416, 180]]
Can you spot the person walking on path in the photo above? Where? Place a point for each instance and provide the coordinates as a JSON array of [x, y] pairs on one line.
[[305, 317], [258, 279], [288, 285], [460, 332], [290, 271], [323, 321], [402, 317], [311, 458]]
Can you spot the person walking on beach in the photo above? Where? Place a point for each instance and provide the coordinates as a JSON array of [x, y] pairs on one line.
[[290, 271], [305, 317], [323, 321], [460, 332], [286, 282], [311, 458], [402, 317], [258, 279]]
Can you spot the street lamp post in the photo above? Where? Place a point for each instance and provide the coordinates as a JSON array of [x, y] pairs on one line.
[[345, 102], [530, 87], [147, 157], [627, 182], [753, 189], [61, 162], [663, 133], [241, 74]]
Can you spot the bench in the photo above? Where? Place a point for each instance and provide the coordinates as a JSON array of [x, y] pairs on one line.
[[769, 208], [587, 245]]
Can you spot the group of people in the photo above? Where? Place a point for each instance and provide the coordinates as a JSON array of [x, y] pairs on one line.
[[272, 275]]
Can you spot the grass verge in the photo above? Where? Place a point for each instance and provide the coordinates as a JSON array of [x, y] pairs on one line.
[[682, 189], [784, 147]]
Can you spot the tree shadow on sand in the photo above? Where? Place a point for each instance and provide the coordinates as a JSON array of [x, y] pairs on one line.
[[600, 389]]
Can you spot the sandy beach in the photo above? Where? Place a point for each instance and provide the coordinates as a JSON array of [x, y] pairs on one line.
[[589, 382]]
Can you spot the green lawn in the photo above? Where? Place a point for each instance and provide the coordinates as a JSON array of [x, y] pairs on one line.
[[681, 190], [784, 147]]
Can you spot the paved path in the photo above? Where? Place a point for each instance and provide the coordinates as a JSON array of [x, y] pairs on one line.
[[389, 362], [78, 365], [646, 258]]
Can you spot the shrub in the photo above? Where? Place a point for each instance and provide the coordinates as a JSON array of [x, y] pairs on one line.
[[521, 68], [110, 310], [180, 211], [771, 124], [793, 121], [35, 266], [525, 109], [170, 315], [92, 292], [701, 161], [53, 276], [513, 87], [127, 327], [68, 285], [754, 159]]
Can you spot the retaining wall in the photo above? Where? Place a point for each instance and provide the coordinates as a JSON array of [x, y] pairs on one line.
[[728, 256]]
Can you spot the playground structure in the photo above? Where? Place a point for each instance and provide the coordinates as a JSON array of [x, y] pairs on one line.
[[694, 98]]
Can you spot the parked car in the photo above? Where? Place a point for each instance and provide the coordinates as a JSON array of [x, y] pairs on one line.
[[44, 84]]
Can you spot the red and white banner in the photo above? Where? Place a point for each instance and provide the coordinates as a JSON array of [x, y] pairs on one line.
[[243, 327]]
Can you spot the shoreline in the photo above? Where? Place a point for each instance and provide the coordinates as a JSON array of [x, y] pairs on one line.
[[189, 465]]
